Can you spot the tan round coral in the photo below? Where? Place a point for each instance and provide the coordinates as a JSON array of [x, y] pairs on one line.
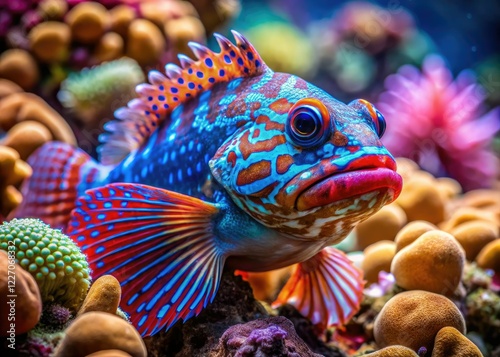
[[88, 21], [434, 262], [104, 295], [409, 233], [50, 41], [20, 67], [393, 351], [474, 235], [377, 257], [26, 137], [413, 318], [383, 225], [489, 256], [450, 342], [145, 42], [98, 331]]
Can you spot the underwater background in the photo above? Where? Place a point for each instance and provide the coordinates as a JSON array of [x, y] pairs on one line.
[[430, 259]]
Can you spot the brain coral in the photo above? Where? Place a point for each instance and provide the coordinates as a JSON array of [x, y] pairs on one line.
[[57, 264]]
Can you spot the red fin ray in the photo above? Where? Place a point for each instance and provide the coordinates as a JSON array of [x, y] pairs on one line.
[[59, 172], [327, 288], [157, 243]]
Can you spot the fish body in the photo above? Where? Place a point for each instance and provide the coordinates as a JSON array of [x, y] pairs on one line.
[[221, 162]]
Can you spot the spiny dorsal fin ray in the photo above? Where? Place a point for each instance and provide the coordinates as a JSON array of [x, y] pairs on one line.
[[135, 123]]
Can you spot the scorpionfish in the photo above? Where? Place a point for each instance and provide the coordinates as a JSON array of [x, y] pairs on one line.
[[220, 162]]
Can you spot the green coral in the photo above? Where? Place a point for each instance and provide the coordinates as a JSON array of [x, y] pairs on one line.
[[52, 258], [101, 86]]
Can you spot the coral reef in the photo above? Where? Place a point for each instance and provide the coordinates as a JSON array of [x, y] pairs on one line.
[[377, 257], [393, 351], [97, 331], [274, 336], [409, 233], [473, 236], [59, 268], [413, 318], [489, 256], [20, 301], [433, 262], [451, 138]]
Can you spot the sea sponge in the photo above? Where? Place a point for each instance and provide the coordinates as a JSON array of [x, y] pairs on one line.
[[422, 200], [104, 295], [409, 233], [383, 225], [20, 67], [100, 88], [449, 342], [378, 257], [50, 41], [19, 107], [489, 256], [98, 331], [473, 236], [52, 258], [19, 287], [145, 42], [110, 47], [88, 21], [434, 262], [413, 318], [393, 351], [26, 137]]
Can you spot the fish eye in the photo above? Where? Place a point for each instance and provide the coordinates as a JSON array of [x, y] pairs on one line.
[[377, 118], [306, 125]]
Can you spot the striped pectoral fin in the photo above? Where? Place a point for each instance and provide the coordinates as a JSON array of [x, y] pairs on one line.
[[327, 289], [157, 243]]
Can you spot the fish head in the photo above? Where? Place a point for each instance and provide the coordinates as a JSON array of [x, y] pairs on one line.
[[307, 164]]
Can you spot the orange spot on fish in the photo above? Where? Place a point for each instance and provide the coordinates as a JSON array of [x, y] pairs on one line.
[[254, 172], [231, 158], [280, 106], [283, 163], [247, 148]]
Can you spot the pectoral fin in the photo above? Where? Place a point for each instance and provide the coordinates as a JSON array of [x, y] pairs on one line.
[[157, 243], [327, 288]]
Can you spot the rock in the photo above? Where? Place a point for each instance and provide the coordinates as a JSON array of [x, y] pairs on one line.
[[489, 256], [473, 236], [274, 336], [233, 304], [109, 47], [88, 21], [27, 306], [434, 262], [413, 318], [383, 225], [98, 331], [422, 200], [50, 41], [20, 67], [26, 137], [104, 296], [393, 351], [145, 42], [450, 342], [409, 233], [378, 257]]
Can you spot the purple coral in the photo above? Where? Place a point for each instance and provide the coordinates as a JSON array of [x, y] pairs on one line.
[[266, 341], [435, 121], [55, 316]]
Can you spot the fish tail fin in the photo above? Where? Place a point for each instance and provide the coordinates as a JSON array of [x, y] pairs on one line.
[[61, 173], [160, 246]]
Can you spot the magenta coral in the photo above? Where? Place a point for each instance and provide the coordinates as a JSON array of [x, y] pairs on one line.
[[436, 121]]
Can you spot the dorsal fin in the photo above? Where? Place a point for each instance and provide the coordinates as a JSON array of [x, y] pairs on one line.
[[135, 123]]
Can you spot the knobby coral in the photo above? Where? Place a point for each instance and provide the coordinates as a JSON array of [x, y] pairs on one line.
[[436, 121]]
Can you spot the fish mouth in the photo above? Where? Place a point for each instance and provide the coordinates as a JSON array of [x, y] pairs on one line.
[[361, 176]]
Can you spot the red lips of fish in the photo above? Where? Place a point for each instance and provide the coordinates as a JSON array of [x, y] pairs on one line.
[[363, 175]]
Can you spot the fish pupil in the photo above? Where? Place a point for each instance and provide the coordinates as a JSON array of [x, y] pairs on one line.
[[305, 124]]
